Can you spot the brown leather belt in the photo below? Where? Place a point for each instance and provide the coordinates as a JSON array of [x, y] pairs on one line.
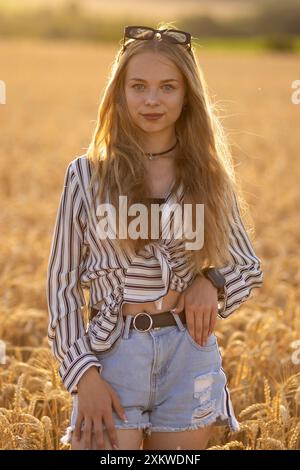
[[144, 321]]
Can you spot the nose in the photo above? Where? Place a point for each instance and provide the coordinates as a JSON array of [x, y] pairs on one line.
[[152, 98]]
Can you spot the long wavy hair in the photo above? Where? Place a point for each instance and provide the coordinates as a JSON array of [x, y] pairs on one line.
[[118, 160]]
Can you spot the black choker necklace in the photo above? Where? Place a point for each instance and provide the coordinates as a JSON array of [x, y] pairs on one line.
[[152, 156]]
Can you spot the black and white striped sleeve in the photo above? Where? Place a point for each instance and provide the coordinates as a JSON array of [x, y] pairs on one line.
[[244, 273], [66, 332]]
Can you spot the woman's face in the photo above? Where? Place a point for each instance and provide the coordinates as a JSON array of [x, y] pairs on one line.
[[153, 84]]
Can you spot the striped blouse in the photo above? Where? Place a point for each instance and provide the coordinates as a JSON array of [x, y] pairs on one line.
[[79, 259]]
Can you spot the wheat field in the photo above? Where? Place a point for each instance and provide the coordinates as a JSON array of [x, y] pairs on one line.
[[53, 90]]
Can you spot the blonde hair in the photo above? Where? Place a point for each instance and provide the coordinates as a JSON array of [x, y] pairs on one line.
[[118, 159]]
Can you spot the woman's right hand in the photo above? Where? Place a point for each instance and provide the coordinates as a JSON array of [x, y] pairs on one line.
[[96, 398]]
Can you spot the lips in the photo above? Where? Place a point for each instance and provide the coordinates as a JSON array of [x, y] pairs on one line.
[[152, 115]]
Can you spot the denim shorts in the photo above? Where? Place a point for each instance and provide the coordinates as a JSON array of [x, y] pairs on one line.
[[165, 381]]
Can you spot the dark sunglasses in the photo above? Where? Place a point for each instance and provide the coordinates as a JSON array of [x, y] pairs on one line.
[[144, 32]]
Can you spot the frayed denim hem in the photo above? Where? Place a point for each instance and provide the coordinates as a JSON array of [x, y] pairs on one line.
[[218, 419], [67, 437], [144, 426], [223, 420]]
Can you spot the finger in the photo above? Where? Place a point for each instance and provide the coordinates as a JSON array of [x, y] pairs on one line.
[[87, 433], [98, 431], [205, 326], [111, 430], [213, 320], [190, 322], [117, 405], [77, 430], [198, 327]]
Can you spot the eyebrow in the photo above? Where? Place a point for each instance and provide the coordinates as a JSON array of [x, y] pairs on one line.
[[162, 81]]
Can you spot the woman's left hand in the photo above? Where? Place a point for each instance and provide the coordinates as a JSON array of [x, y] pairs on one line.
[[200, 302]]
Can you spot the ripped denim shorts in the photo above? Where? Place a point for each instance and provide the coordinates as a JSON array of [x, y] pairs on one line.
[[165, 381]]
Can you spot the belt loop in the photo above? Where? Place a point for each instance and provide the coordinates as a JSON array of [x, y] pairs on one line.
[[127, 326], [178, 321]]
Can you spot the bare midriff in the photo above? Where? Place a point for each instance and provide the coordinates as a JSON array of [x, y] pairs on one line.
[[169, 301]]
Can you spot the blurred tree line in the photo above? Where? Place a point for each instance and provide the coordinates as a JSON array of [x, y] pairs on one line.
[[278, 22]]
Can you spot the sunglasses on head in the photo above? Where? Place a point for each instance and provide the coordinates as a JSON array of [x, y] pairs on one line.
[[144, 32]]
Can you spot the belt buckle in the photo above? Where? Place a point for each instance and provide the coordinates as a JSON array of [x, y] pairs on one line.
[[149, 327]]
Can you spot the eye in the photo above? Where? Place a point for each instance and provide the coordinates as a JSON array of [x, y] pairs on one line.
[[137, 85], [141, 85], [169, 86]]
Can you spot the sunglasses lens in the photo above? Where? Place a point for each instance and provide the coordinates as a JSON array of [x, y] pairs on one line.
[[176, 36], [140, 33]]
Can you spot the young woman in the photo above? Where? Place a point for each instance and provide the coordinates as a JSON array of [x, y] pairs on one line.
[[147, 370]]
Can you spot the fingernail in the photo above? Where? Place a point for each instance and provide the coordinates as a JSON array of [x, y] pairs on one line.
[[116, 447], [125, 418], [173, 310]]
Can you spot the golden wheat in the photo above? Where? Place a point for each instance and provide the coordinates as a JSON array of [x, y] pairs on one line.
[[52, 95]]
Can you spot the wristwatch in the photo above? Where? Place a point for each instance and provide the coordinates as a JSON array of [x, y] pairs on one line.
[[217, 278]]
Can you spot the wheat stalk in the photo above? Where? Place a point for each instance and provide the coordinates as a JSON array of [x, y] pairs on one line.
[[292, 442]]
